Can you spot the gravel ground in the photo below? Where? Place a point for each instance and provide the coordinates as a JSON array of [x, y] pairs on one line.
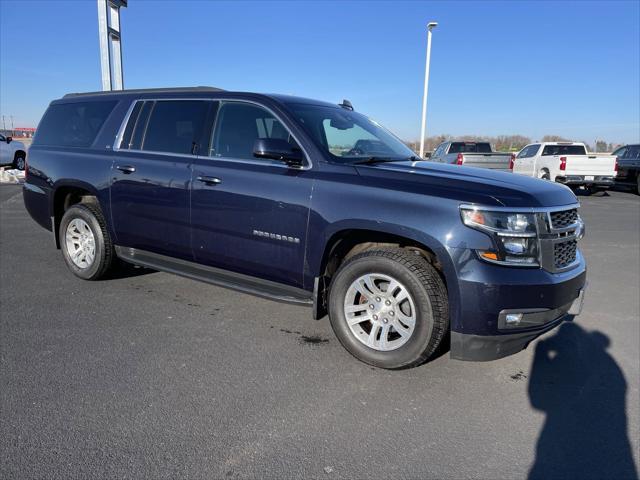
[[154, 376]]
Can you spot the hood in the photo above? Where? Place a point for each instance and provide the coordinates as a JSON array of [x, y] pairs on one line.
[[468, 184]]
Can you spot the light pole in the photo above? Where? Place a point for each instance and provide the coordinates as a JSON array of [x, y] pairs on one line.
[[430, 26]]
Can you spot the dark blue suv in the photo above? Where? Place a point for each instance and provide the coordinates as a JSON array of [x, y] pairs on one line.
[[312, 203]]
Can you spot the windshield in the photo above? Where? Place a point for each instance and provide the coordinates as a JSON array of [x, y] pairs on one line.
[[349, 137]]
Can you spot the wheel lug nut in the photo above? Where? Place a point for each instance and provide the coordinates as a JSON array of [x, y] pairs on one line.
[[388, 302], [384, 320], [378, 299], [372, 306], [392, 313], [375, 317]]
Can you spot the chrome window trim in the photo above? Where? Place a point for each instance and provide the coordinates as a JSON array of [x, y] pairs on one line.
[[125, 121]]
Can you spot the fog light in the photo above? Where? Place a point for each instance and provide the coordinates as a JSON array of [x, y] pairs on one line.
[[512, 319]]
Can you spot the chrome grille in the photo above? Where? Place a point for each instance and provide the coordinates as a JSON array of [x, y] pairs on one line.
[[564, 218], [564, 253]]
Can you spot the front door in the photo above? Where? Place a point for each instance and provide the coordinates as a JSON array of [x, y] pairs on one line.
[[5, 151], [249, 215], [151, 178]]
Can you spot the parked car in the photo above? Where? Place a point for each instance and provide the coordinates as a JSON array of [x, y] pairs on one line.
[[242, 190], [628, 166], [471, 154], [12, 152], [567, 163]]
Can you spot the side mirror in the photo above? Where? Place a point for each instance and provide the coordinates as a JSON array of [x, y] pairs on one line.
[[278, 149], [9, 139]]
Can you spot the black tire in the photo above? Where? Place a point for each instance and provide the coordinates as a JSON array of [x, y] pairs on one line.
[[18, 161], [545, 175], [104, 251], [424, 285], [638, 185], [596, 191]]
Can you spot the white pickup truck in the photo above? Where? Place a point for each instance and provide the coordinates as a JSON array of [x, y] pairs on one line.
[[567, 163], [12, 152]]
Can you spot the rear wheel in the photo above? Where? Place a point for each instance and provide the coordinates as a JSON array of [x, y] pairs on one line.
[[18, 161], [544, 175], [389, 308], [85, 242]]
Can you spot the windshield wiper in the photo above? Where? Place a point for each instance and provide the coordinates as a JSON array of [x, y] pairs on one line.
[[374, 160]]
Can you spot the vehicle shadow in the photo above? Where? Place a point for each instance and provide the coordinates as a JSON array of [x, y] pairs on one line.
[[127, 270], [583, 392]]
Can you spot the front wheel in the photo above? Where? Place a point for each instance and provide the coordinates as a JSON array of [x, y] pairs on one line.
[[389, 308], [85, 242]]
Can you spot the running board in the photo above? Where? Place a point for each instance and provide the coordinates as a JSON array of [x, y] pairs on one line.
[[216, 276]]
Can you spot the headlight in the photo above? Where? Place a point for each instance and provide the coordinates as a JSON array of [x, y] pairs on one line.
[[515, 235]]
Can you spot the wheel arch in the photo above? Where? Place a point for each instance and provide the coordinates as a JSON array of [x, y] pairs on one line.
[[66, 194], [344, 243]]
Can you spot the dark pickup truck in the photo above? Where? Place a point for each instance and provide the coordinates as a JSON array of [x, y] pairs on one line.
[[628, 162], [311, 203]]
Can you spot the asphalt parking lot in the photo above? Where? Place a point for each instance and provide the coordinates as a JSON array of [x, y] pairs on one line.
[[150, 375]]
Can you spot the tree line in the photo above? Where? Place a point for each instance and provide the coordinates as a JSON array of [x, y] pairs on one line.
[[507, 143]]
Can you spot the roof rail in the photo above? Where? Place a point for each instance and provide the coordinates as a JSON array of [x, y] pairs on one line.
[[147, 90]]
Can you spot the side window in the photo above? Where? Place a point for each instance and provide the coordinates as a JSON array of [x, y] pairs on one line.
[[74, 124], [439, 150], [239, 125], [524, 153], [529, 151], [174, 126], [621, 152], [125, 142], [633, 152]]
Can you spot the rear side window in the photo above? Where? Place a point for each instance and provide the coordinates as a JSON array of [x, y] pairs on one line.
[[632, 152], [72, 124], [174, 126], [563, 150], [470, 147]]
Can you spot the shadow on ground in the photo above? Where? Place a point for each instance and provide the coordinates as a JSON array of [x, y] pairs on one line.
[[582, 390]]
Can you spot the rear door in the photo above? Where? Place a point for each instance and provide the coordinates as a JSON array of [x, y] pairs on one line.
[[151, 175], [249, 215]]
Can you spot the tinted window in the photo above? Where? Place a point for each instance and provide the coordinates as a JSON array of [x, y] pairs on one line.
[[139, 126], [239, 125], [128, 131], [633, 152], [564, 150], [72, 124], [469, 147], [175, 126]]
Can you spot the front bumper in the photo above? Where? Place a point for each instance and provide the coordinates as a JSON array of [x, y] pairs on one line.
[[482, 348], [596, 180], [487, 293]]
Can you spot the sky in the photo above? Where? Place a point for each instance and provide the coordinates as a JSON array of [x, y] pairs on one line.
[[497, 68]]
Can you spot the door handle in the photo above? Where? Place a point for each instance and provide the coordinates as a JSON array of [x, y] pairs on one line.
[[127, 169], [209, 180]]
